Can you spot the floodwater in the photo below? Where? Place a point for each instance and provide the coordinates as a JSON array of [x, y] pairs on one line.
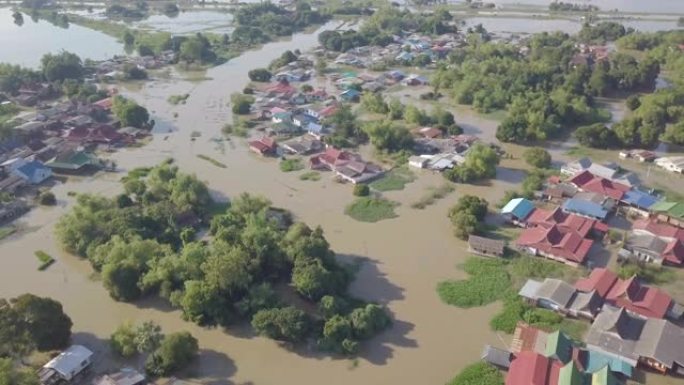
[[641, 6], [189, 22], [403, 258], [503, 24], [25, 45]]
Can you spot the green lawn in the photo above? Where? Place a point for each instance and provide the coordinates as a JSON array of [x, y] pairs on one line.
[[395, 179], [371, 209], [311, 176]]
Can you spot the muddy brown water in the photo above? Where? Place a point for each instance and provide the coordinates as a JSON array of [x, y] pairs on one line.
[[402, 259]]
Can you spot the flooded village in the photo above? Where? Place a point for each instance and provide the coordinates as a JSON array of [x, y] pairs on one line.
[[587, 247]]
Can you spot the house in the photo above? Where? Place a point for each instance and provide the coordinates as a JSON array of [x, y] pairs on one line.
[[559, 191], [331, 158], [105, 104], [404, 56], [585, 208], [304, 145], [125, 376], [33, 172], [395, 75], [561, 350], [66, 366], [570, 222], [672, 163], [585, 164], [530, 368], [559, 296], [653, 249], [647, 302], [430, 132], [350, 95], [303, 120], [651, 342], [517, 210], [497, 357], [485, 246], [263, 146], [418, 161], [316, 130], [282, 117], [415, 80], [669, 212], [661, 230], [73, 161], [556, 243], [638, 202], [588, 182], [640, 155], [347, 166]]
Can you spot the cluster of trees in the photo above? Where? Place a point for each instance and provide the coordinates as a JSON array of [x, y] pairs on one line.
[[130, 113], [537, 157], [603, 31], [468, 215], [197, 48], [480, 163], [29, 322], [138, 244], [166, 354], [542, 92], [259, 22], [286, 58], [559, 6], [260, 75], [412, 115], [137, 12], [62, 66], [347, 129], [241, 104], [386, 22]]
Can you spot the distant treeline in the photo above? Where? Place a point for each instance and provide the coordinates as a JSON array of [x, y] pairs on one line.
[[559, 6]]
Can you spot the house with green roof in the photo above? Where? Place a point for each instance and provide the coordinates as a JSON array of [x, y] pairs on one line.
[[558, 346], [604, 377], [671, 212], [74, 162], [570, 375]]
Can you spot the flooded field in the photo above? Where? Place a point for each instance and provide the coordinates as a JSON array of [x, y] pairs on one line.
[[26, 44], [188, 22], [641, 6]]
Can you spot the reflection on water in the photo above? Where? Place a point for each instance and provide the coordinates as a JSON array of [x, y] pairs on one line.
[[658, 6], [26, 44]]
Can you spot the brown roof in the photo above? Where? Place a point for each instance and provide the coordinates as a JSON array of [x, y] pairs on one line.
[[490, 246]]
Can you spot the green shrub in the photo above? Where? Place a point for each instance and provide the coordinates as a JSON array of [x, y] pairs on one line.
[[289, 165], [480, 373], [361, 190], [47, 198], [367, 209], [488, 281]]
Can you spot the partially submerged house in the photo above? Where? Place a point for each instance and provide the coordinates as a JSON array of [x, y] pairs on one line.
[[486, 246], [263, 146], [669, 212], [585, 164], [556, 243], [347, 166], [559, 296], [66, 366]]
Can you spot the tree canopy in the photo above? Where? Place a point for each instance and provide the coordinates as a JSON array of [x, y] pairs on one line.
[[175, 352], [130, 113]]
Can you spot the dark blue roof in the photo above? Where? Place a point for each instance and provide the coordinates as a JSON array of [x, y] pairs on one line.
[[31, 168]]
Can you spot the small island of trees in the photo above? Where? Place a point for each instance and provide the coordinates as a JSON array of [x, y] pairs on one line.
[[143, 244]]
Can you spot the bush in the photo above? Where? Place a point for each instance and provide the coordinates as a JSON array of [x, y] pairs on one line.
[[288, 165], [259, 75], [176, 351], [47, 198], [367, 209], [657, 275], [537, 157], [284, 324], [361, 190], [468, 215]]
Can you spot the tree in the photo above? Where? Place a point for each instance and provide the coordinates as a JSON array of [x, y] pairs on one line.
[[374, 103], [361, 190], [260, 75], [596, 136], [283, 324], [176, 351], [148, 337], [122, 340], [129, 112], [11, 374], [16, 340], [369, 320], [64, 65], [45, 320], [47, 198], [330, 306], [467, 215], [121, 280], [387, 136], [338, 336], [633, 102], [537, 157], [480, 163], [242, 104]]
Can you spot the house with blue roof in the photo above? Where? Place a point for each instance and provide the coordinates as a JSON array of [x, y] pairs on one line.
[[404, 56], [315, 129], [33, 172], [517, 210], [350, 95], [639, 202], [585, 208]]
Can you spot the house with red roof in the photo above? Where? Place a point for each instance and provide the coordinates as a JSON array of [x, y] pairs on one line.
[[530, 368], [588, 182], [644, 301], [558, 243], [263, 146], [348, 166], [658, 229], [105, 104], [567, 221]]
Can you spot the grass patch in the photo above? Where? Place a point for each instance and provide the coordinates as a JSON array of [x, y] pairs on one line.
[[371, 209], [480, 373], [211, 160], [396, 179], [488, 280], [311, 176], [657, 275], [433, 195], [136, 173], [178, 99], [45, 259], [500, 279], [289, 165], [6, 231]]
